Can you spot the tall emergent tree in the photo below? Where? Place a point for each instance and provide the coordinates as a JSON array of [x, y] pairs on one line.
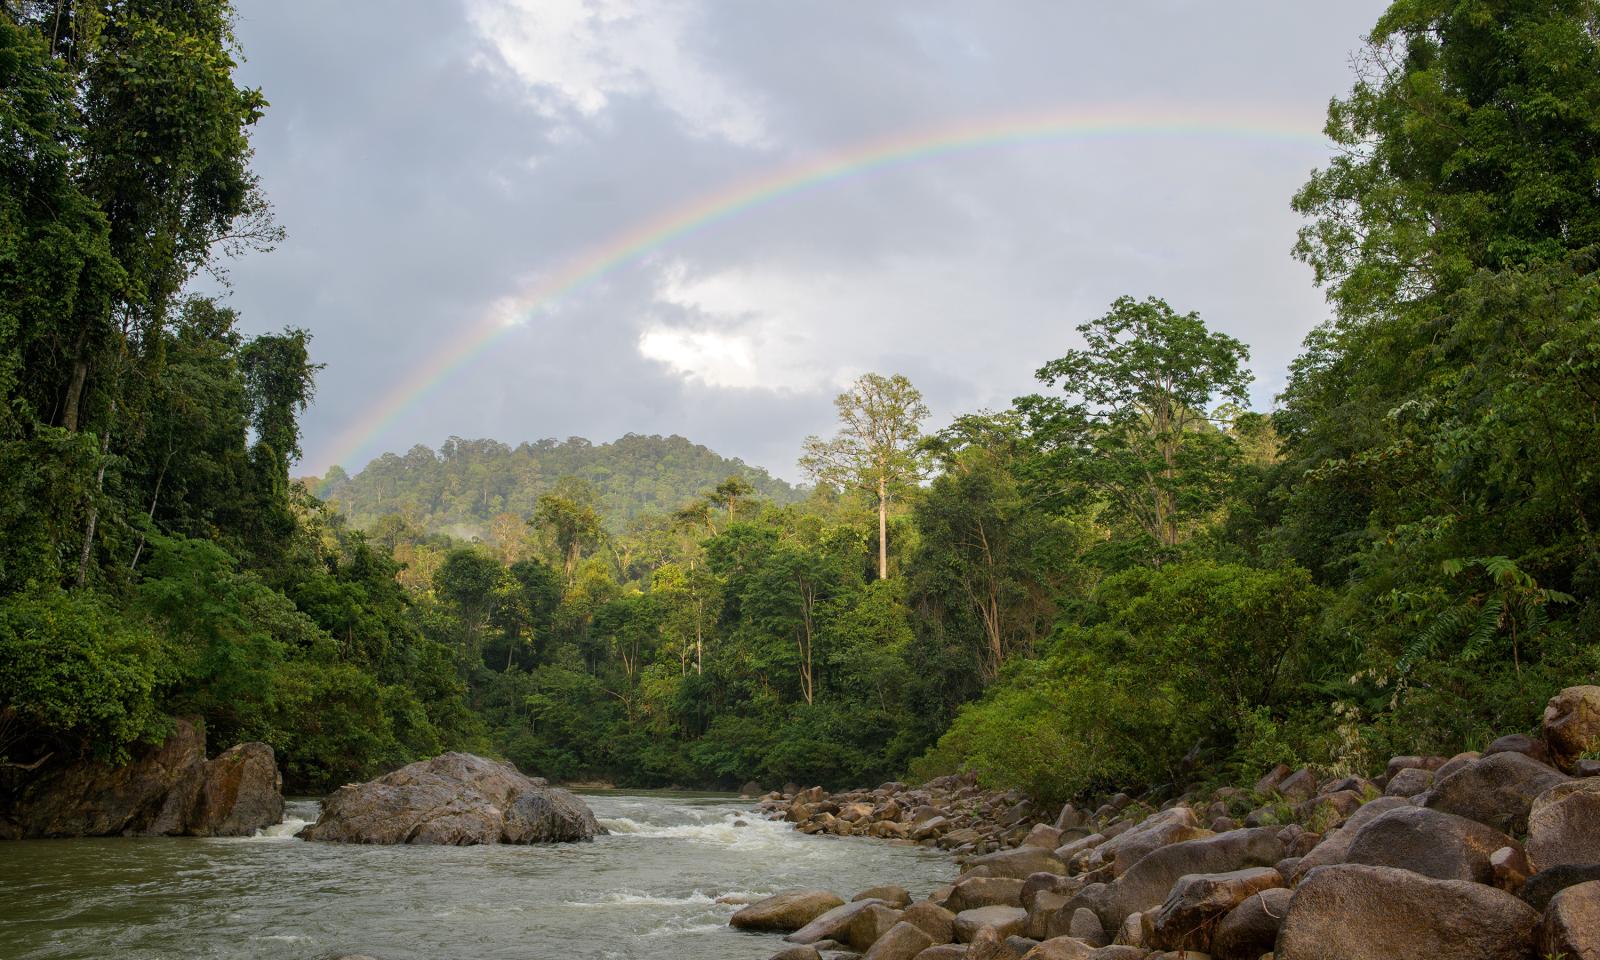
[[877, 448], [1135, 429]]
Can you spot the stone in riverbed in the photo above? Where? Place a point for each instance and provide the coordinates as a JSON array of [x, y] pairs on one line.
[[785, 912], [1005, 921], [1571, 927], [1250, 929], [903, 942], [1430, 842], [1572, 723], [1564, 825], [455, 799], [895, 896], [1540, 888], [1496, 790], [1198, 901], [801, 952], [932, 919], [834, 924], [1358, 912]]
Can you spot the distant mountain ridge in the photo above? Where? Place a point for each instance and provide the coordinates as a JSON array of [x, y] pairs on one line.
[[460, 488]]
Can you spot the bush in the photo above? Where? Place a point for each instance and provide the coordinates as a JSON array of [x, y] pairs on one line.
[[75, 677]]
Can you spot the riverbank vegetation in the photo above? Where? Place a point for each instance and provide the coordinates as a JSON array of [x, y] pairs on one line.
[[1125, 579]]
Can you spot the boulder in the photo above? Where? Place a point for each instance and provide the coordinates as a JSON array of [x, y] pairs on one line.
[[1251, 928], [895, 896], [750, 791], [454, 799], [1564, 824], [868, 926], [1005, 921], [1572, 723], [1519, 743], [1396, 764], [167, 789], [802, 952], [1018, 864], [1270, 780], [1048, 915], [1360, 912], [1085, 925], [833, 924], [987, 944], [1497, 790], [1300, 785], [1070, 818], [1060, 948], [1511, 868], [971, 892], [1043, 835], [785, 912], [1118, 951], [1542, 887], [1336, 844], [944, 951], [240, 792], [937, 922], [1455, 763], [1571, 927], [1198, 901], [1147, 884], [1052, 882], [1430, 842], [1408, 782], [1159, 830], [903, 942]]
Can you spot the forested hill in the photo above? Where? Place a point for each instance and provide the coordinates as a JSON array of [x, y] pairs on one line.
[[461, 488]]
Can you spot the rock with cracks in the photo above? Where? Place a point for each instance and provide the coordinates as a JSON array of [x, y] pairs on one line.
[[455, 799]]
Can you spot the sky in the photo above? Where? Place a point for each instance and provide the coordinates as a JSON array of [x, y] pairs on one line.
[[445, 169]]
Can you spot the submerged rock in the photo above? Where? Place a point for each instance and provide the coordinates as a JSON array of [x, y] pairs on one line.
[[456, 799]]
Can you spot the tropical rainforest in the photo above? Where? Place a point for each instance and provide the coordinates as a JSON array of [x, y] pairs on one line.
[[1126, 578]]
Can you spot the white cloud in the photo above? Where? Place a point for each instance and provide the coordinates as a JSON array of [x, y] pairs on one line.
[[781, 328], [576, 56]]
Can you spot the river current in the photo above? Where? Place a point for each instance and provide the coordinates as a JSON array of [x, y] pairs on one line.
[[662, 885]]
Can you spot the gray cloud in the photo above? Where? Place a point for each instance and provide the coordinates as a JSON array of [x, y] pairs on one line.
[[431, 159]]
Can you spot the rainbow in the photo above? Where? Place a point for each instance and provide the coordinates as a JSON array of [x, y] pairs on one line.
[[786, 181]]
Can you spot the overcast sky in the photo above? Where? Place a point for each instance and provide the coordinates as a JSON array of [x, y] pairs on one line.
[[432, 158]]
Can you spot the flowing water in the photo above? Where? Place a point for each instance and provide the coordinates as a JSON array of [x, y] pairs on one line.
[[661, 886]]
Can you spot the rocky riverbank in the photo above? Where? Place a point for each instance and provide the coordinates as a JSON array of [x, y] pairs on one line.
[[1491, 856], [165, 790]]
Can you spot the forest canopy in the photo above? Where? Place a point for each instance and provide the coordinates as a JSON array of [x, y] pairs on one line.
[[1123, 580]]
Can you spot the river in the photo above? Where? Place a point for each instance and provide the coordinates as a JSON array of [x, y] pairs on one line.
[[648, 890]]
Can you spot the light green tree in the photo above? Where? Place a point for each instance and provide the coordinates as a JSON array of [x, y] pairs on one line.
[[877, 448]]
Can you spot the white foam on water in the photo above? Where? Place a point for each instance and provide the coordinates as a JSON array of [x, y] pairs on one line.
[[627, 898], [284, 830]]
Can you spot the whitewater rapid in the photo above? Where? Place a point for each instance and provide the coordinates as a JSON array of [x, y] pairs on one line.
[[661, 884]]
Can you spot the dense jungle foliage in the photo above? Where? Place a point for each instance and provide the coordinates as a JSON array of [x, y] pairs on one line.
[[475, 488], [1124, 580]]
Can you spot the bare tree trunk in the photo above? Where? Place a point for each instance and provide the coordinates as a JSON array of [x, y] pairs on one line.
[[883, 528], [151, 515], [94, 506]]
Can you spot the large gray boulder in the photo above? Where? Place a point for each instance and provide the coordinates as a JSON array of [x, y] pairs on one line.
[[1336, 845], [169, 789], [1496, 790], [834, 924], [1197, 901], [1430, 842], [785, 912], [1251, 928], [454, 799], [1359, 912], [1173, 825], [1564, 825], [1571, 927], [1148, 882]]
